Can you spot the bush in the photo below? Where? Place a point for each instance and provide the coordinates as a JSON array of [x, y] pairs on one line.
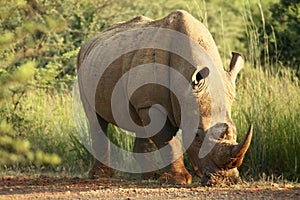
[[16, 76], [15, 147], [283, 28]]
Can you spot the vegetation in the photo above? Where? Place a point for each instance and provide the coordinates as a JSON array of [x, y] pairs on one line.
[[284, 27], [39, 41]]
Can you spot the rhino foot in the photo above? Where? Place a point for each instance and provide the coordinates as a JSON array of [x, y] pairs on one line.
[[176, 178], [100, 170]]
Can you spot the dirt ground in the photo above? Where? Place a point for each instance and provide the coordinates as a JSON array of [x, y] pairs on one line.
[[12, 187]]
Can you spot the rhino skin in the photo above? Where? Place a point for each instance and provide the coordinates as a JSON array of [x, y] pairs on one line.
[[221, 163]]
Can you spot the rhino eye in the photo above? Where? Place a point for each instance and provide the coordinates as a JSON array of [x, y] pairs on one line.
[[199, 75]]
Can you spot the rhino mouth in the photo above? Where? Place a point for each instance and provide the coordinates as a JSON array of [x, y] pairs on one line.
[[221, 178]]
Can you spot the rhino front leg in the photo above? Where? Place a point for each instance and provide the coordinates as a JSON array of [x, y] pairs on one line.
[[175, 172], [147, 161], [170, 149], [101, 150]]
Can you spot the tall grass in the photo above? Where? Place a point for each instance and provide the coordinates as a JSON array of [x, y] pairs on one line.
[[271, 103], [268, 97], [45, 119], [268, 101]]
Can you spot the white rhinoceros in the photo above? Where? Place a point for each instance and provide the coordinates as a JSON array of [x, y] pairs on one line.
[[167, 72]]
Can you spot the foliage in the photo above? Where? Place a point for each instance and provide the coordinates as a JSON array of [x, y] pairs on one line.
[[14, 148], [276, 27], [283, 30]]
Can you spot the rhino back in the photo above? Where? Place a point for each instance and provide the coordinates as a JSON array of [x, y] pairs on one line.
[[147, 95]]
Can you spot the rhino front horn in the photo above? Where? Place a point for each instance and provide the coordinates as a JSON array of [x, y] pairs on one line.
[[240, 149]]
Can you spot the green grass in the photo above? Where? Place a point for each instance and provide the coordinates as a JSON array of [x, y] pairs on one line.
[[271, 103], [46, 120]]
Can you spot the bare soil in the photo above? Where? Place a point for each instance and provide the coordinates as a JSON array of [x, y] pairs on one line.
[[12, 187]]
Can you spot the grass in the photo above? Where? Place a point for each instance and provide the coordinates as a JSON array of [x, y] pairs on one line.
[[268, 97], [46, 120], [271, 103]]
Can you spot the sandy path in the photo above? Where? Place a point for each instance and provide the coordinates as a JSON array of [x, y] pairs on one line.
[[75, 188]]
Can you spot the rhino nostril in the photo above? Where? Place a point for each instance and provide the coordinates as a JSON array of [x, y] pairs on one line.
[[234, 163]]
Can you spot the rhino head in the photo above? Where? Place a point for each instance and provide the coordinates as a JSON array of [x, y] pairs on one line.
[[214, 152]]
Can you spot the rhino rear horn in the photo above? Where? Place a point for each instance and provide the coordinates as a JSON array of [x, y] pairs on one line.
[[236, 64]]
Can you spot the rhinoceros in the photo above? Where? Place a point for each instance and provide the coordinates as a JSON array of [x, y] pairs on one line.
[[100, 71]]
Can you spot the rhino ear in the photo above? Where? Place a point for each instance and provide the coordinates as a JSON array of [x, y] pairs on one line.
[[236, 64]]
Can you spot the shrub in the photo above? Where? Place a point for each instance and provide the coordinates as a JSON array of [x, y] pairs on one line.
[[283, 28]]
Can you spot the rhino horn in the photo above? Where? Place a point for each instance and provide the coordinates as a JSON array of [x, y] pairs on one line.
[[236, 64], [239, 150]]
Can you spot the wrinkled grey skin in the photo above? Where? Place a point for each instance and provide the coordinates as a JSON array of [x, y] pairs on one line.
[[221, 163]]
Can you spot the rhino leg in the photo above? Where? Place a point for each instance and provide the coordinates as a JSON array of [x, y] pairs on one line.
[[99, 170], [175, 172], [100, 146], [146, 161]]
